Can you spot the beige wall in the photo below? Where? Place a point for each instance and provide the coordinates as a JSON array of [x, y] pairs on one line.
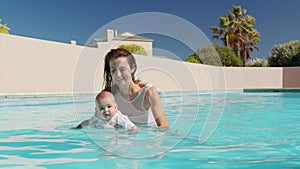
[[291, 77], [30, 65], [36, 66], [253, 77], [176, 75]]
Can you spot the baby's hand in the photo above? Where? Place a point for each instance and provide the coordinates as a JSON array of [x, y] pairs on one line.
[[134, 128]]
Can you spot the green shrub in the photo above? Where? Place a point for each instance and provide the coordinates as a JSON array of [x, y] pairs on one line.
[[296, 60], [228, 57], [216, 55], [3, 28], [134, 49], [257, 63], [286, 54], [193, 59]]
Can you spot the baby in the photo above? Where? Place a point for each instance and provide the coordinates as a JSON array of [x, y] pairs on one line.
[[107, 114]]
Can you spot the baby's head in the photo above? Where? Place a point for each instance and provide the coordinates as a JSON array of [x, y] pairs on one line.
[[106, 106]]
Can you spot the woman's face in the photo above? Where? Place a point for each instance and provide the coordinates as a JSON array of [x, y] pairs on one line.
[[120, 71]]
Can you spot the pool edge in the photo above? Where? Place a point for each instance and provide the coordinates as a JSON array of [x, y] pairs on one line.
[[273, 90]]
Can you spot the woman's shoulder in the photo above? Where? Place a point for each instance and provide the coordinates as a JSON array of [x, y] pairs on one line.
[[146, 86], [149, 88], [142, 84]]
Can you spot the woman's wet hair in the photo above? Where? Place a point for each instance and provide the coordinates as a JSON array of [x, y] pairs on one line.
[[112, 55]]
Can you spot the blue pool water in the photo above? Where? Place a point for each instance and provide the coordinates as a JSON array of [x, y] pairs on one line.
[[208, 130]]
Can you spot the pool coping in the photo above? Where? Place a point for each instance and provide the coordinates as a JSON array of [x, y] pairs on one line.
[[293, 90], [244, 90]]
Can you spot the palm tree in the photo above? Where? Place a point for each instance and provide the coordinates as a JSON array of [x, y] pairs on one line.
[[237, 32], [3, 28]]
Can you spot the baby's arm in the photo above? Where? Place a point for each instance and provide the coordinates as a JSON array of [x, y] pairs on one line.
[[129, 125], [124, 121], [83, 124]]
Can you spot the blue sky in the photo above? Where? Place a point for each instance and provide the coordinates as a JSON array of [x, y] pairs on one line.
[[65, 20]]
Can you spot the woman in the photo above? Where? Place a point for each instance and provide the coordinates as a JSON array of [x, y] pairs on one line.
[[139, 101]]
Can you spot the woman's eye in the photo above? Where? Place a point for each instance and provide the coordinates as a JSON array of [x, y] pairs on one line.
[[122, 69]]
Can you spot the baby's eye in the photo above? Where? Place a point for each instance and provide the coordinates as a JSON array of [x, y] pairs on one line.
[[101, 108], [109, 106]]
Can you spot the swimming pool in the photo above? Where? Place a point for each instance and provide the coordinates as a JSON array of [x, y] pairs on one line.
[[208, 130]]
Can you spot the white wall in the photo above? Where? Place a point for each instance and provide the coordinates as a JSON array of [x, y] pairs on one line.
[[30, 65]]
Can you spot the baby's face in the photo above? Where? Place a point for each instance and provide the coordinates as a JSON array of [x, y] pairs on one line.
[[106, 108]]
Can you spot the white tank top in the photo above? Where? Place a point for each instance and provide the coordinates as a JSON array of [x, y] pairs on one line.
[[134, 108]]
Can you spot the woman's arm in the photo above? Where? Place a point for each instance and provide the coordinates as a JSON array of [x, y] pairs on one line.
[[157, 108]]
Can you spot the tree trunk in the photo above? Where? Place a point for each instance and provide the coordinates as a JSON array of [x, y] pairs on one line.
[[244, 57]]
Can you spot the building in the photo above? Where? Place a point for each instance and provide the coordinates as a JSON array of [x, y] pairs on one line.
[[113, 40]]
